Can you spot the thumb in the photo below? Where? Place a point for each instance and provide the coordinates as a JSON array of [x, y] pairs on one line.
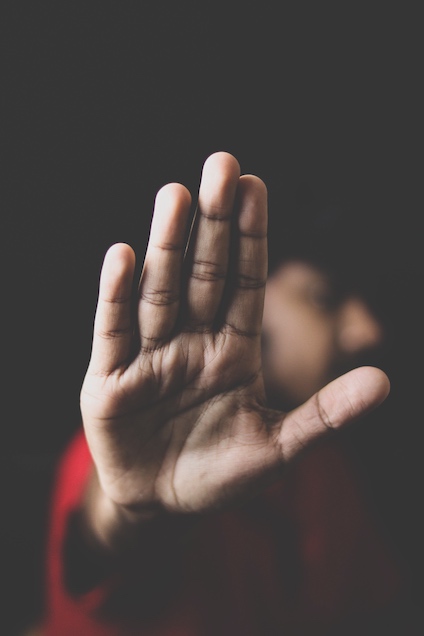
[[340, 402]]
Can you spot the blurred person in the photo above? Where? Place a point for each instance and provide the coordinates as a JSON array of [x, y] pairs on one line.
[[209, 490]]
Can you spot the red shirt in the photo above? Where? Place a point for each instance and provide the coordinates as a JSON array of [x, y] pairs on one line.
[[306, 557]]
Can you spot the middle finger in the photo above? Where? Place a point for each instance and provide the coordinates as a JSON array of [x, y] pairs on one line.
[[208, 250]]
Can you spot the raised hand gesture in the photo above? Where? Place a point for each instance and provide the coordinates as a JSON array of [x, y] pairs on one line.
[[173, 401]]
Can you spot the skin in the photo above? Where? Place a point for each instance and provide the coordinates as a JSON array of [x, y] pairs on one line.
[[173, 402], [310, 334]]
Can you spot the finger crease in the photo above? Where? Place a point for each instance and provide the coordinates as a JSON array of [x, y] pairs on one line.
[[214, 217], [153, 343], [116, 300], [159, 298], [207, 270], [322, 413], [249, 282], [168, 247], [233, 330], [254, 235], [113, 334]]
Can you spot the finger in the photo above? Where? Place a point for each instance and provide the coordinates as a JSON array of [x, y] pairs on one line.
[[112, 324], [247, 280], [160, 282], [208, 252], [342, 401]]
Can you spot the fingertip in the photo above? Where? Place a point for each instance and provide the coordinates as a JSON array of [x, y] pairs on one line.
[[253, 181], [172, 193], [119, 249], [253, 199], [341, 402], [223, 162], [358, 391], [120, 252], [119, 260], [376, 381], [170, 217]]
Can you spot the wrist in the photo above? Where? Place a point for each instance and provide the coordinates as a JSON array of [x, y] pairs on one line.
[[114, 527]]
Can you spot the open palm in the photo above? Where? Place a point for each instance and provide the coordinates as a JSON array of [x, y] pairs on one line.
[[173, 401]]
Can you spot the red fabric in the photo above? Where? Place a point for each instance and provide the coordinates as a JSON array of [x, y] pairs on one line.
[[305, 555]]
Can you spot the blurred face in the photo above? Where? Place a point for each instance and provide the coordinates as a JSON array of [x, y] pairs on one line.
[[310, 335]]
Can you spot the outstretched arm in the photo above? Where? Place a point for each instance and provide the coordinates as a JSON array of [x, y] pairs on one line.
[[173, 401]]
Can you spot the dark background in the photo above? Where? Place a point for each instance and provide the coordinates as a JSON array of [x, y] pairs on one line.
[[103, 103]]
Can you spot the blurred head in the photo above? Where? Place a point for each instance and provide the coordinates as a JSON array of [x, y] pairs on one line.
[[323, 313], [311, 332]]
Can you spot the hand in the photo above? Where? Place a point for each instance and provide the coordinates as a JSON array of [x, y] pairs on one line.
[[173, 401]]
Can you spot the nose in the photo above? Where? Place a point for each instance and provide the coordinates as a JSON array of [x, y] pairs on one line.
[[359, 329]]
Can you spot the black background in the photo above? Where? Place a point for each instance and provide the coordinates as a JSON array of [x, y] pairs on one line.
[[103, 103]]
